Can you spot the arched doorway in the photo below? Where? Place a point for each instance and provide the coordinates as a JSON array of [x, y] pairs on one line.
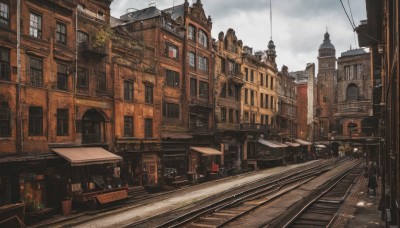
[[93, 124]]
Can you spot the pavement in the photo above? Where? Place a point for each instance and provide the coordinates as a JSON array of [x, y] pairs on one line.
[[360, 209]]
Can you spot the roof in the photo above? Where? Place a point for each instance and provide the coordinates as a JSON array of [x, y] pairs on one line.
[[352, 52], [87, 155], [302, 142], [326, 43], [206, 150], [176, 11], [272, 144], [142, 14]]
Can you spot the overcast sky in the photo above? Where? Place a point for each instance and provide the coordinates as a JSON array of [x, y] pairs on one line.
[[298, 26]]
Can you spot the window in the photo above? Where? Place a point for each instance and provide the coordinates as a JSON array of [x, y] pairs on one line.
[[246, 96], [82, 38], [5, 65], [262, 119], [82, 78], [272, 83], [203, 63], [246, 116], [272, 102], [128, 126], [266, 100], [347, 72], [101, 82], [61, 33], [266, 81], [35, 126], [172, 51], [231, 89], [231, 68], [203, 39], [230, 116], [62, 77], [246, 73], [148, 128], [237, 116], [266, 119], [172, 78], [193, 87], [192, 33], [223, 90], [251, 97], [222, 65], [352, 93], [223, 115], [128, 90], [4, 14], [148, 90], [191, 59], [36, 71], [35, 25], [261, 100], [252, 75], [170, 110], [203, 89], [5, 120], [253, 118], [261, 79], [62, 122]]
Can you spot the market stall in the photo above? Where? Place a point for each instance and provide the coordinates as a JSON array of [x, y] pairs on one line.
[[204, 162], [94, 175]]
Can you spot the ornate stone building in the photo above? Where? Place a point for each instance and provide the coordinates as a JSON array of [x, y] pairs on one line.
[[354, 96]]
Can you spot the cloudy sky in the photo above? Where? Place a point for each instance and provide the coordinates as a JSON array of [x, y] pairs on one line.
[[298, 26]]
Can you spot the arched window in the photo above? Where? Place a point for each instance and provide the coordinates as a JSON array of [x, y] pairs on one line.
[[352, 93], [203, 39], [5, 120]]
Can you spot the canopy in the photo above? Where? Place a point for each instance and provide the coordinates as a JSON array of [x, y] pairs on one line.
[[87, 155], [206, 150], [292, 144], [302, 142], [319, 146], [272, 144]]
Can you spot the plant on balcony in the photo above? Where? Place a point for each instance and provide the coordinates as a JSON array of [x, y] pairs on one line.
[[101, 37]]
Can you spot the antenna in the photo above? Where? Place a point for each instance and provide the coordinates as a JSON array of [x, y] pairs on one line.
[[270, 15]]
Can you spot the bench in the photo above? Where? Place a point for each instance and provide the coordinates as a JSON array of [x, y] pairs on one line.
[[180, 180]]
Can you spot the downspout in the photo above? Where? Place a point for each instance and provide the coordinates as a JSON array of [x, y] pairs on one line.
[[76, 72], [19, 130]]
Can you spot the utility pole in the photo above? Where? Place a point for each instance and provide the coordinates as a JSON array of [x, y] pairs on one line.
[[19, 132]]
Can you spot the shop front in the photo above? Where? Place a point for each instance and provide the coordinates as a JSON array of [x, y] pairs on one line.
[[270, 153], [204, 162], [295, 153], [94, 177]]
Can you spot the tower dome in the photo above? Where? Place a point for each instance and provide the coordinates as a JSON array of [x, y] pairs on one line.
[[326, 43]]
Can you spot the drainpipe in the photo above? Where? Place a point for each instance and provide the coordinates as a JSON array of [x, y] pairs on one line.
[[19, 130]]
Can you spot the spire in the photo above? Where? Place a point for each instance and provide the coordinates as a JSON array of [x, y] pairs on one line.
[[271, 52], [270, 16]]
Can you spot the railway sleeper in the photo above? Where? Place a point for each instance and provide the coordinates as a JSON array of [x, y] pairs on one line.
[[317, 217]]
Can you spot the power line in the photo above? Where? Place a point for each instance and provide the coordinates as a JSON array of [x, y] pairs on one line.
[[352, 25], [352, 18]]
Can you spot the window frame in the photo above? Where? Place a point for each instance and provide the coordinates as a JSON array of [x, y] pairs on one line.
[[202, 63], [203, 38], [5, 74], [128, 126], [5, 120], [35, 26], [35, 71], [223, 115], [192, 33], [148, 128], [35, 124], [62, 122], [61, 36], [101, 82], [172, 77], [204, 89], [171, 110], [192, 59], [174, 51], [148, 94], [62, 77], [4, 15], [82, 78], [193, 87], [128, 90]]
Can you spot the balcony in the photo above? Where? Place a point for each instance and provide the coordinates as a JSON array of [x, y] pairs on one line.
[[88, 50], [257, 127], [236, 77]]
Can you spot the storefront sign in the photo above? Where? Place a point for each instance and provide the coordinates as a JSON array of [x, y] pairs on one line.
[[91, 103]]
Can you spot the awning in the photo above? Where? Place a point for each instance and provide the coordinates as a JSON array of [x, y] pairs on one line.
[[319, 146], [206, 150], [166, 135], [302, 142], [272, 144], [292, 144], [87, 155]]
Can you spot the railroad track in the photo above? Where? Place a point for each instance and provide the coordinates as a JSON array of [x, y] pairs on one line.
[[322, 210], [235, 193], [223, 211]]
